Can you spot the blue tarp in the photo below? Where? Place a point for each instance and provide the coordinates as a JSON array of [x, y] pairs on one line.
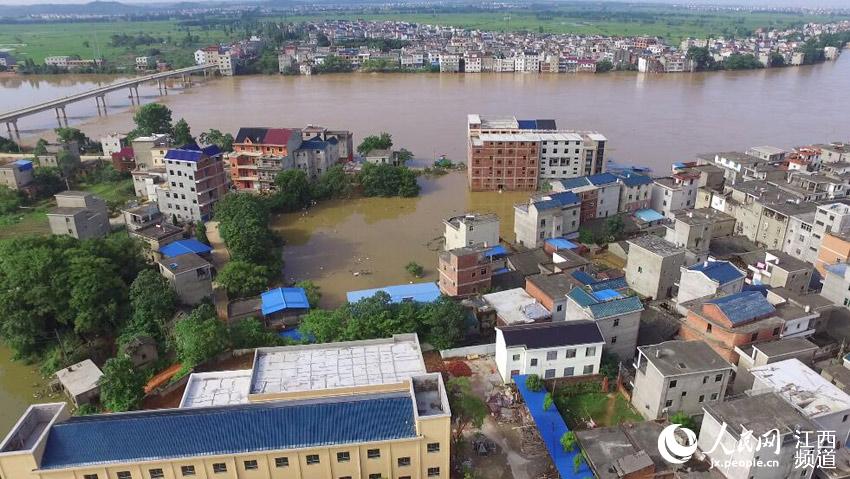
[[500, 271], [295, 334], [497, 250], [561, 243], [649, 215], [182, 247], [280, 299], [607, 295], [551, 427], [419, 292], [23, 165]]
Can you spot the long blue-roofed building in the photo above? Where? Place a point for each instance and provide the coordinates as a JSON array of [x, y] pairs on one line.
[[358, 409]]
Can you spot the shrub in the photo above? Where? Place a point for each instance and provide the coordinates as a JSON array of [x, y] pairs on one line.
[[568, 441], [547, 401], [534, 383]]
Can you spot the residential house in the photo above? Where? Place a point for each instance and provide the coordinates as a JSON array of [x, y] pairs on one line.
[[738, 424], [124, 161], [635, 190], [79, 214], [283, 307], [781, 270], [756, 355], [600, 194], [550, 215], [551, 350], [653, 266], [17, 175], [707, 279], [617, 314], [196, 181], [735, 320], [694, 230], [190, 276], [515, 306], [113, 143], [80, 382], [836, 284], [674, 193], [770, 154], [259, 154], [678, 376], [551, 291], [465, 271], [142, 350], [470, 229], [818, 399], [382, 157], [145, 182], [834, 249], [150, 151], [733, 163], [806, 230]]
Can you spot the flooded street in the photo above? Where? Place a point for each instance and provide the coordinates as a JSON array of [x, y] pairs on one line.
[[347, 245]]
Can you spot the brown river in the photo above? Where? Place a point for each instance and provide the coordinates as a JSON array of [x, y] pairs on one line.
[[650, 120]]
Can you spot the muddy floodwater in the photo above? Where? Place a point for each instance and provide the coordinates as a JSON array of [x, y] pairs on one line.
[[20, 386], [347, 245]]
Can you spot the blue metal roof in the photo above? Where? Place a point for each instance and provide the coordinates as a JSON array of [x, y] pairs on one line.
[[280, 299], [606, 295], [527, 124], [419, 292], [182, 247], [551, 427], [633, 179], [561, 243], [721, 271], [616, 307], [613, 283], [743, 307], [23, 165], [173, 433], [570, 183], [557, 200], [602, 179], [649, 215], [582, 297], [497, 250], [583, 277], [192, 152], [838, 268]]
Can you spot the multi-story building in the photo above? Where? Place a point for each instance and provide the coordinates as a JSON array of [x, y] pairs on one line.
[[737, 425], [653, 266], [834, 249], [550, 215], [113, 143], [635, 190], [17, 175], [508, 154], [678, 376], [694, 230], [465, 271], [79, 214], [550, 350], [770, 154], [600, 194], [370, 411], [781, 270], [607, 304], [807, 391], [674, 193], [470, 229], [834, 152], [806, 230], [551, 290], [736, 320], [836, 284], [189, 275], [733, 163], [150, 150], [707, 279], [195, 181], [770, 352], [259, 154]]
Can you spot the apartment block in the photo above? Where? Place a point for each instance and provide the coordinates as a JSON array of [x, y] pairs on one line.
[[599, 194], [635, 191], [371, 410], [678, 376], [709, 278], [465, 271], [470, 229], [674, 193], [545, 216], [195, 182], [806, 230], [79, 214], [781, 270], [617, 314], [653, 266], [551, 350]]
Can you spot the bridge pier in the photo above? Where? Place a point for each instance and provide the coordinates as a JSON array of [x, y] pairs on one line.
[[60, 115], [101, 99]]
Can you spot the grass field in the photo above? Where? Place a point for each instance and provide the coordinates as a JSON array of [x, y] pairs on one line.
[[605, 409], [90, 39]]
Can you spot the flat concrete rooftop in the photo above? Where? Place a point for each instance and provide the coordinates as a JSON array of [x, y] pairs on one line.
[[219, 388]]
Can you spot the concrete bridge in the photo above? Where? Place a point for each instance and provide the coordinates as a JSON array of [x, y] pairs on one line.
[[99, 94]]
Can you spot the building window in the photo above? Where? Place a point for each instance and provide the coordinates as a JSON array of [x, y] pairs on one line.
[[590, 351], [433, 472], [89, 476], [124, 475], [704, 379], [718, 378], [515, 357], [312, 459], [251, 465], [219, 468], [708, 328], [549, 374], [156, 473], [571, 353], [684, 393], [569, 371], [673, 383], [403, 461], [373, 453], [776, 330], [754, 337], [534, 362], [343, 456], [551, 355], [433, 447], [376, 475], [701, 397], [613, 339], [560, 307], [713, 396], [588, 369], [668, 403], [281, 462], [187, 470], [640, 269], [616, 322]]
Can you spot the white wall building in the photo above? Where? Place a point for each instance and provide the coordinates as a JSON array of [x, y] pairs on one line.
[[672, 194], [550, 350], [471, 229], [112, 143]]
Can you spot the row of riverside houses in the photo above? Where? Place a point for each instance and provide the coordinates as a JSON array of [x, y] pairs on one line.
[[451, 49], [714, 310]]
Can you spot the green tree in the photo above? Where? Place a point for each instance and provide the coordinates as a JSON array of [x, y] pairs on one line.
[[200, 336], [312, 292], [683, 419], [152, 303], [585, 236], [242, 279], [334, 183], [776, 59], [48, 181], [40, 147], [122, 385], [604, 66], [383, 141], [534, 383], [408, 186], [293, 191], [578, 460], [414, 269], [333, 64], [98, 295], [215, 137], [614, 228], [738, 61], [182, 133], [67, 163], [547, 401], [152, 118], [325, 325], [610, 366], [251, 333], [201, 232], [67, 135], [701, 57], [467, 408], [404, 156], [441, 322], [568, 441], [10, 200], [9, 146]]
